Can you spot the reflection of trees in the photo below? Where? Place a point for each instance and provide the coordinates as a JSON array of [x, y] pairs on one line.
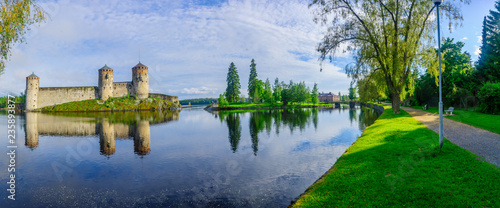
[[367, 117], [296, 117], [315, 117], [352, 115], [234, 127]]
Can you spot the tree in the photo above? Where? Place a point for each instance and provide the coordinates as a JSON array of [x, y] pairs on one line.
[[489, 59], [222, 101], [258, 91], [267, 94], [314, 94], [457, 71], [252, 79], [369, 91], [233, 84], [277, 90], [16, 16], [390, 40], [352, 93]]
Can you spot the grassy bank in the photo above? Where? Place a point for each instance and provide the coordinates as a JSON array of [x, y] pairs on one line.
[[481, 120], [396, 163], [113, 104]]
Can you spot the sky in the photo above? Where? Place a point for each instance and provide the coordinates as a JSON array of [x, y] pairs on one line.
[[188, 44]]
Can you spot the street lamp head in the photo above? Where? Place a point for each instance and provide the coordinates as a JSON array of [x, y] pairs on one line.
[[437, 2]]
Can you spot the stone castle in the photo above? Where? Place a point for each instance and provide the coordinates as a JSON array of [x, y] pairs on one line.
[[39, 97]]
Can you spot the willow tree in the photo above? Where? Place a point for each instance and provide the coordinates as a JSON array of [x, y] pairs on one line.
[[390, 39], [16, 16]]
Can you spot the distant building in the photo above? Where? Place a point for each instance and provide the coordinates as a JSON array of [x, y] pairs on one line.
[[328, 97]]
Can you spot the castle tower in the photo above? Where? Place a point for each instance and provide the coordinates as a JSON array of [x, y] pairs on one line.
[[32, 88], [31, 130], [140, 81], [105, 82], [142, 139], [107, 138]]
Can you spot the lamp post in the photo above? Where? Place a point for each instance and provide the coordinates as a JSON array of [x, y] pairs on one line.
[[437, 3]]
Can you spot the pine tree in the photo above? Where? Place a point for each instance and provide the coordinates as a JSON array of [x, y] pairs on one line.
[[489, 59], [251, 80], [233, 84]]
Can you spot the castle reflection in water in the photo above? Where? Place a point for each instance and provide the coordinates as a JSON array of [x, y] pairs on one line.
[[109, 127]]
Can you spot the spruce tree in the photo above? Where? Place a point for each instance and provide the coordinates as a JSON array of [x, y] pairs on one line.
[[252, 80], [233, 84], [489, 59]]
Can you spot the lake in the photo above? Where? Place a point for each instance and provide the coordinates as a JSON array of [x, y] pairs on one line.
[[188, 158]]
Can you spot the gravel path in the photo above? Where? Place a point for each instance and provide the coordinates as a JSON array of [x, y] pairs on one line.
[[480, 142]]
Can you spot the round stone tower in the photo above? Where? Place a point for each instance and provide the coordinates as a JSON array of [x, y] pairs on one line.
[[32, 88], [140, 81], [105, 82]]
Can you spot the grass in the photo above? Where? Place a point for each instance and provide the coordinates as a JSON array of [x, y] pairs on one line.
[[481, 120], [112, 104], [396, 163]]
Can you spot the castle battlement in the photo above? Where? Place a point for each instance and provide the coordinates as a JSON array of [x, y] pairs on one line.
[[39, 97]]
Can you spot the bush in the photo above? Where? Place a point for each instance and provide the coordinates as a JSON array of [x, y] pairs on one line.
[[222, 100], [489, 98]]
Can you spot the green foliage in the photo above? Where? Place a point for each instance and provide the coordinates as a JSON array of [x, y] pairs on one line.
[[390, 39], [294, 92], [16, 17], [314, 94], [489, 59], [352, 93], [370, 91], [222, 100], [198, 101], [267, 93], [233, 84], [277, 90], [490, 98], [17, 99], [397, 163], [258, 91], [252, 80], [425, 89], [457, 72]]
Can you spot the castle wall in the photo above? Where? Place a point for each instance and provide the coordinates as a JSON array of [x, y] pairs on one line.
[[48, 96], [174, 99], [122, 89]]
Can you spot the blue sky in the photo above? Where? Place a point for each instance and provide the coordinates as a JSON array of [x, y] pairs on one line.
[[188, 44]]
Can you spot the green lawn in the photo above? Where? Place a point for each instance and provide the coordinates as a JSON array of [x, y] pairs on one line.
[[481, 120], [396, 163]]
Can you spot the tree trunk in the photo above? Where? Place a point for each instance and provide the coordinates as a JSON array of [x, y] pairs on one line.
[[395, 103]]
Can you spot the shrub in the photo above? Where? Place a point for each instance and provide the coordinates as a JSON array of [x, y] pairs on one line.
[[489, 98], [222, 101]]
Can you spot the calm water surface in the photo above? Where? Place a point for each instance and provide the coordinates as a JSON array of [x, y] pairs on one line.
[[191, 158]]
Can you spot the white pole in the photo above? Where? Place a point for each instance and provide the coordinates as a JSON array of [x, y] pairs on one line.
[[440, 85]]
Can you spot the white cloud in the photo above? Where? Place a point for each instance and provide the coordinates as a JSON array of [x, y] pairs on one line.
[[477, 51], [187, 46]]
